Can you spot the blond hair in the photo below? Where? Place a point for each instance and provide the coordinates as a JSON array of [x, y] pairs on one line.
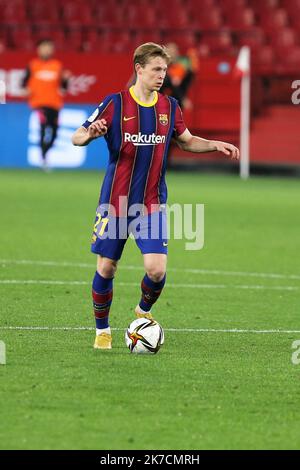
[[146, 51]]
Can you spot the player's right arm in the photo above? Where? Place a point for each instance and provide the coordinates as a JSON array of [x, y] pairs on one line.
[[84, 136], [97, 125]]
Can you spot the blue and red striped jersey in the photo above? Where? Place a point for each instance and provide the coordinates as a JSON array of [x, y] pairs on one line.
[[138, 140]]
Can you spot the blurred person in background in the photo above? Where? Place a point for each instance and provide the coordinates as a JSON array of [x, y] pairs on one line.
[[44, 84], [180, 75]]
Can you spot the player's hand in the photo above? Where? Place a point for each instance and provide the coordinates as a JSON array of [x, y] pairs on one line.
[[97, 129], [228, 149], [66, 74], [25, 93]]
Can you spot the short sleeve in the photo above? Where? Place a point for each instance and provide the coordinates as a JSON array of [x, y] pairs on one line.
[[179, 124], [105, 110]]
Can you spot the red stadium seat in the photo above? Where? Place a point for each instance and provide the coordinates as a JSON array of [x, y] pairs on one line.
[[295, 21], [142, 17], [263, 60], [266, 5], [14, 4], [120, 41], [283, 38], [219, 43], [106, 17], [292, 59], [193, 5], [90, 36], [292, 6], [3, 45], [44, 13], [203, 50], [241, 20], [183, 40], [12, 14], [278, 20], [96, 44], [208, 20], [254, 38], [175, 19], [74, 39], [150, 36], [287, 51], [4, 39], [231, 6], [167, 6], [77, 14], [22, 38]]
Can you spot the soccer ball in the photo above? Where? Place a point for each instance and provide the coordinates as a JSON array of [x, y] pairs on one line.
[[144, 336]]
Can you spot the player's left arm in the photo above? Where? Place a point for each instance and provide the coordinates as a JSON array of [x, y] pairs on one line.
[[192, 143], [25, 92], [65, 80]]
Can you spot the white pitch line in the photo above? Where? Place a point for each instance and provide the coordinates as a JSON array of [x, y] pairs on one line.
[[135, 284], [172, 330], [48, 263], [42, 281], [140, 268]]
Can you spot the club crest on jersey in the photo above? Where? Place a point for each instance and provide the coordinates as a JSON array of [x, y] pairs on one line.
[[163, 119]]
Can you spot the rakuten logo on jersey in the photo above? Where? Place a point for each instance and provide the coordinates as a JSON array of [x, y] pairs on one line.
[[143, 139]]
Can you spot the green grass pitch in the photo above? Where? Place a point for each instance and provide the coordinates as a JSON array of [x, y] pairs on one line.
[[210, 389]]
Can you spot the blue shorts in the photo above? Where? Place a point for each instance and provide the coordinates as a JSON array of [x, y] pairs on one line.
[[111, 233]]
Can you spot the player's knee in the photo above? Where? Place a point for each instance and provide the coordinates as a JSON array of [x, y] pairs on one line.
[[106, 267], [156, 273]]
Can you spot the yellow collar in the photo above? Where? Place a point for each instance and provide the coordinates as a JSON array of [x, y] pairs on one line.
[[141, 103]]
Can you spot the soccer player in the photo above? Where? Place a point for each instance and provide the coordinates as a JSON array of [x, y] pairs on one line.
[[138, 125], [44, 83]]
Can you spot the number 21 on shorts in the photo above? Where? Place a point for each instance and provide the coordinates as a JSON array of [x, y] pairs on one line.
[[100, 224]]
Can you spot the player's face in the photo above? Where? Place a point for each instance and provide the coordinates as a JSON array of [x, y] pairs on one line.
[[152, 75], [45, 50]]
